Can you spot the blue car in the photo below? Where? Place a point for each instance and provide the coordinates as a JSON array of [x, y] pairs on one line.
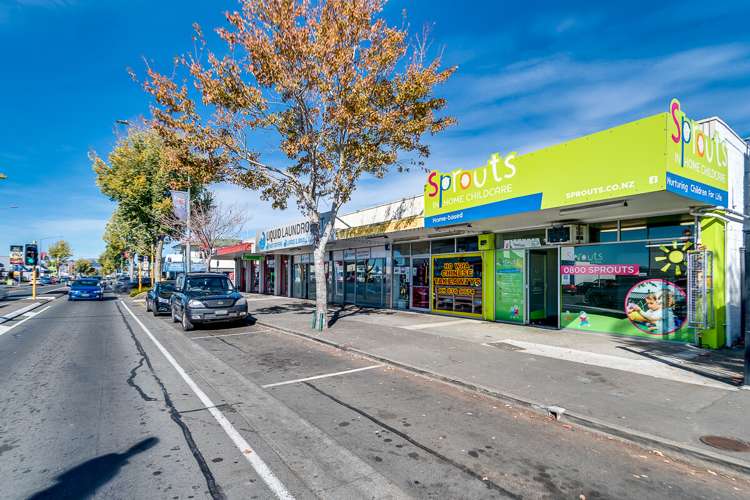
[[45, 280], [86, 289]]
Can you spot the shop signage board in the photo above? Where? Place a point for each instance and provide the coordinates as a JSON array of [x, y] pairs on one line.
[[510, 287], [370, 230], [644, 156], [16, 255], [697, 163], [247, 256], [293, 235]]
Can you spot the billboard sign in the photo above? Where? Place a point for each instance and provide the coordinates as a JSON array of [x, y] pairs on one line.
[[16, 255], [293, 235]]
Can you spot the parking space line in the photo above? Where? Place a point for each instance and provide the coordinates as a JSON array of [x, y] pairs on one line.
[[422, 326], [318, 377], [257, 463], [228, 334]]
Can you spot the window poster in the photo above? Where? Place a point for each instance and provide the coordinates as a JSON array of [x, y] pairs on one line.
[[636, 289], [457, 282], [509, 285]]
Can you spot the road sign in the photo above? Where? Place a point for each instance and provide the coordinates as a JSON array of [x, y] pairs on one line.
[[16, 254]]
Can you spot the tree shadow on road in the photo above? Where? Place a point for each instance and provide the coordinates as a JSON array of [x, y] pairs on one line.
[[84, 479]]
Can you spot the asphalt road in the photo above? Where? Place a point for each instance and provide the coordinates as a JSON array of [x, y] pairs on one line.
[[89, 405]]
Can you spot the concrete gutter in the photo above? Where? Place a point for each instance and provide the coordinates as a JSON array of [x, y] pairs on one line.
[[587, 422]]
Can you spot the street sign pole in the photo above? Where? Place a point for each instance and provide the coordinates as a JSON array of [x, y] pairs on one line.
[[33, 280], [187, 244]]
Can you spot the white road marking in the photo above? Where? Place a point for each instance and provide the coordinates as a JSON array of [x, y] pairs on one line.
[[139, 300], [31, 314], [5, 329], [648, 367], [250, 455], [422, 326], [17, 312], [229, 334], [317, 377]]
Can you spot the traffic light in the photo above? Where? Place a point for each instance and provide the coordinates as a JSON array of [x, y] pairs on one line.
[[31, 255]]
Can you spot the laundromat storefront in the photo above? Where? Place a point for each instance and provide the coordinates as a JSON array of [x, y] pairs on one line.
[[635, 284]]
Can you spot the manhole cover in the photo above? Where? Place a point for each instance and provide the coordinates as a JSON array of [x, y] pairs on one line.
[[725, 443]]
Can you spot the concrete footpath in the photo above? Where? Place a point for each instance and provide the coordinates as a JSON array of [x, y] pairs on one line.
[[668, 397]]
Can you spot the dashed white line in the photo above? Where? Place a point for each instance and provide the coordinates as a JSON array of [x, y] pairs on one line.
[[318, 377], [250, 455]]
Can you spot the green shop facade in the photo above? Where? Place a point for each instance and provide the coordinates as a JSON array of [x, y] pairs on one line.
[[635, 230]]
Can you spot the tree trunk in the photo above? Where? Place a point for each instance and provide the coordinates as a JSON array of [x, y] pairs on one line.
[[157, 258], [321, 235], [321, 286]]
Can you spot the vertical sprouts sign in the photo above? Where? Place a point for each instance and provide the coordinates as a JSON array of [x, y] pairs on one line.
[[697, 162]]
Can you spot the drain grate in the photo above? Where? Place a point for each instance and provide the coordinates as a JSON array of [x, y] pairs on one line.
[[505, 346], [725, 443]]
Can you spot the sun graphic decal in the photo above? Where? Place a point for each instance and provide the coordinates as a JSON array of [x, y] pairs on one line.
[[674, 255]]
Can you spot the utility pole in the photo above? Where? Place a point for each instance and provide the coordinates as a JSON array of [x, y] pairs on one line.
[[187, 244]]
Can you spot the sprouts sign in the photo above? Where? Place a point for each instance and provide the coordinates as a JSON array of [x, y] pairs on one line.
[[664, 152]]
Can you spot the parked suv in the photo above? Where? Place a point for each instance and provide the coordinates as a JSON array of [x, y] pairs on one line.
[[157, 299], [206, 298]]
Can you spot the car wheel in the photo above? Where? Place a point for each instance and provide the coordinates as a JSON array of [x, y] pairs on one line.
[[186, 324], [155, 310], [148, 305], [174, 316]]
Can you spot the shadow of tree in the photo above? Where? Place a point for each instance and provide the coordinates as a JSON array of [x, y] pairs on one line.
[[724, 365], [335, 312], [83, 480]]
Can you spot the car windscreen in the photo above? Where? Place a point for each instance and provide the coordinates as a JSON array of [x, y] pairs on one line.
[[85, 283], [209, 284], [166, 287]]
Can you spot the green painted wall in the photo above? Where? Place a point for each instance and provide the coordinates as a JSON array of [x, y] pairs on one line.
[[713, 238], [487, 246]]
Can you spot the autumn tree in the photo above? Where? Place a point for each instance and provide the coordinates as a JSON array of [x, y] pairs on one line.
[[60, 252], [345, 95], [84, 267], [138, 174]]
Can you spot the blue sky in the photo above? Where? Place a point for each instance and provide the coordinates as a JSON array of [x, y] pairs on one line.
[[529, 74]]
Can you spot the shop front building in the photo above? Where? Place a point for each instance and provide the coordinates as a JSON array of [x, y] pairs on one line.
[[636, 231], [633, 231], [246, 273]]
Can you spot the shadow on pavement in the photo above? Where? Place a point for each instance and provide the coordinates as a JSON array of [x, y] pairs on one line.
[[339, 312], [83, 480], [723, 365]]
